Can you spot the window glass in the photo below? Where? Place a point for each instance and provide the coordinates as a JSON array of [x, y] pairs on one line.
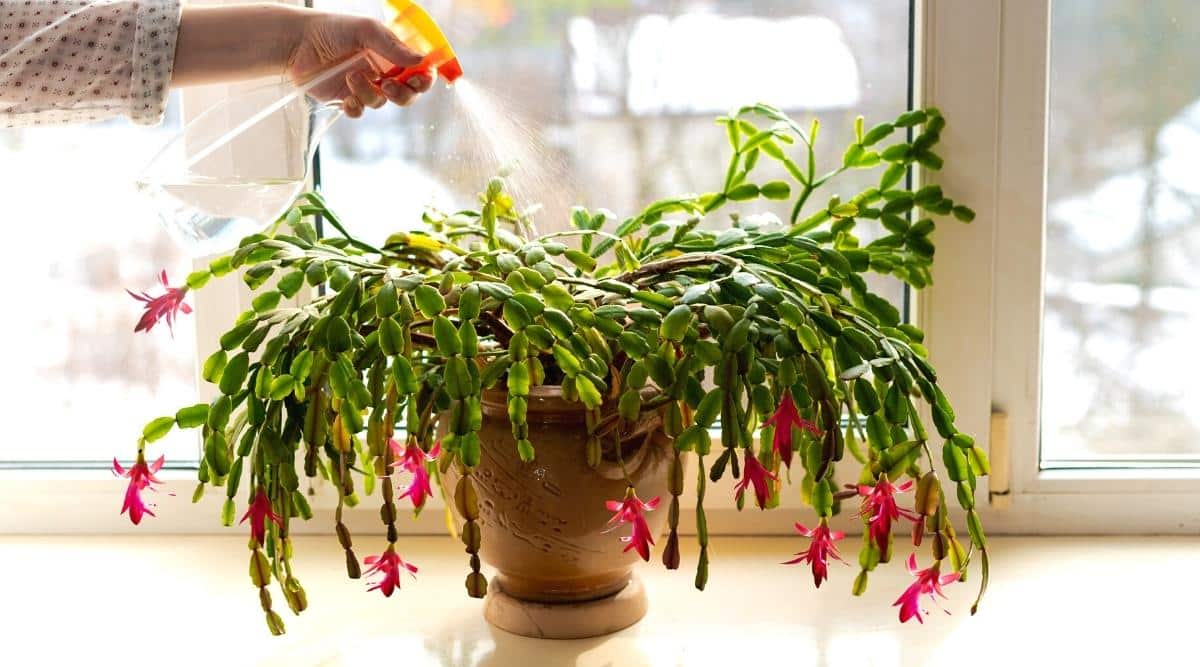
[[610, 103], [1122, 303], [78, 383]]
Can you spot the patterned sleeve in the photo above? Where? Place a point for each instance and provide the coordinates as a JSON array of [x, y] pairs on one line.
[[75, 61]]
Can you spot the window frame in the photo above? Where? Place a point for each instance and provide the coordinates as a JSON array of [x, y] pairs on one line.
[[986, 65]]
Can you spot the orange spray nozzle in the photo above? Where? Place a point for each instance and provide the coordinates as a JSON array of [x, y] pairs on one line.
[[416, 28]]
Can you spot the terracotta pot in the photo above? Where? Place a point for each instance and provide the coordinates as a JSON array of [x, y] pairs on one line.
[[560, 565]]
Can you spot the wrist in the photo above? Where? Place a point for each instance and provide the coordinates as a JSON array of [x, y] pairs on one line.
[[237, 42], [287, 31]]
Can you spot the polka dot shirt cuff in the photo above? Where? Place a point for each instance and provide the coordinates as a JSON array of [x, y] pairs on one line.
[[153, 59]]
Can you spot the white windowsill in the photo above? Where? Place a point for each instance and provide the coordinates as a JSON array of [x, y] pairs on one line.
[[188, 601]]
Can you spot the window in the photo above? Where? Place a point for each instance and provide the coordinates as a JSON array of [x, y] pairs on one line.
[[1059, 319], [79, 381], [1052, 314], [82, 384], [1122, 233]]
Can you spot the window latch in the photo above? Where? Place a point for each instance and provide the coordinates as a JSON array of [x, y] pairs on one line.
[[999, 494]]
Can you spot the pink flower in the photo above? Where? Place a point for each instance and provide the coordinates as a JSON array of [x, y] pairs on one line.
[[786, 418], [929, 582], [632, 510], [819, 550], [258, 513], [754, 473], [141, 477], [879, 504], [162, 307], [389, 564], [411, 459]]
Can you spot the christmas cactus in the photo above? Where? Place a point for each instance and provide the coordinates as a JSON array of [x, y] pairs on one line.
[[761, 345]]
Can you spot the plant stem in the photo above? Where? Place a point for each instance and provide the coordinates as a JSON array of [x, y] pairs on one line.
[[337, 224], [621, 458], [667, 265]]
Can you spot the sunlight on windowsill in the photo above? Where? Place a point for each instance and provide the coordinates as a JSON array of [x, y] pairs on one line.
[[188, 601]]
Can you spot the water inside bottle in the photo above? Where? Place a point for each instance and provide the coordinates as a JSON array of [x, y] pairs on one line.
[[238, 165], [209, 215]]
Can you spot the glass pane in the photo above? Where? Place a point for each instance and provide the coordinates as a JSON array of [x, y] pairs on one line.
[[610, 103], [80, 383], [1122, 293]]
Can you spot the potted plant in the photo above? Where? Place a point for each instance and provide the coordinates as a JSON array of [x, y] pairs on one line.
[[557, 386]]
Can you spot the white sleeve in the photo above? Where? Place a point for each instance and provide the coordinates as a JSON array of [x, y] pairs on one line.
[[72, 61]]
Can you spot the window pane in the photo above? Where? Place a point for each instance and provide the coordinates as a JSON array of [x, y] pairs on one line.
[[80, 383], [610, 103], [1122, 293]]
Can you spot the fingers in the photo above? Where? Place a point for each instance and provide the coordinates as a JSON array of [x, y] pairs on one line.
[[366, 92], [422, 82], [376, 36], [404, 93]]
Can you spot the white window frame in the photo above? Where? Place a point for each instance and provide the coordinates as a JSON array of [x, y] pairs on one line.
[[986, 65]]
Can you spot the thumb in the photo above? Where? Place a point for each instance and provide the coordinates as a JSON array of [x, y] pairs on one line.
[[384, 42]]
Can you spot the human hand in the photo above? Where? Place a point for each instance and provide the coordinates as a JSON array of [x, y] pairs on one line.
[[325, 39]]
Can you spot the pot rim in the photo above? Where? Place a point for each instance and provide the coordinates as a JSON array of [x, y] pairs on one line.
[[547, 403]]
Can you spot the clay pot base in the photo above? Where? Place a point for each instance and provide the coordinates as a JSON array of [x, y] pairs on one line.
[[566, 620]]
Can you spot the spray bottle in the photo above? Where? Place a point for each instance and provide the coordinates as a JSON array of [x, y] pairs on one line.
[[213, 184], [416, 28]]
